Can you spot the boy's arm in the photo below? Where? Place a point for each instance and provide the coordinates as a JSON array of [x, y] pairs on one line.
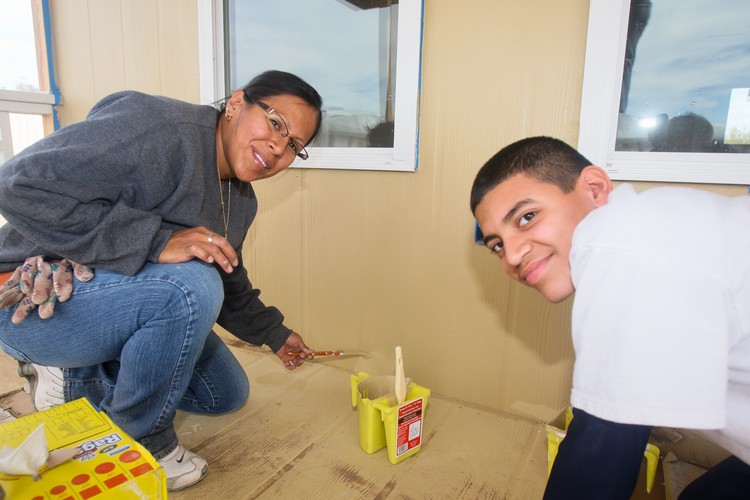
[[597, 459]]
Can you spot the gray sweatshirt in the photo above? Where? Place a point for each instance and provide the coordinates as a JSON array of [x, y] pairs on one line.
[[109, 191]]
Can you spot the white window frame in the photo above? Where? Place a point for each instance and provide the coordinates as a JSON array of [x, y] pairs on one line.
[[403, 156], [12, 101], [602, 81]]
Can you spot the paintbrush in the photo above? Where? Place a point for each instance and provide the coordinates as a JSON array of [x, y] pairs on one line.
[[318, 353]]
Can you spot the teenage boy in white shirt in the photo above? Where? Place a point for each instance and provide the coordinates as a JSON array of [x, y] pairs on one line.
[[661, 315]]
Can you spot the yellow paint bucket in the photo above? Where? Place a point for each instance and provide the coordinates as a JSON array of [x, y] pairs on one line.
[[382, 422]]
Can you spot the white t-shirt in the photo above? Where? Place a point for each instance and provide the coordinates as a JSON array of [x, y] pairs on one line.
[[661, 315]]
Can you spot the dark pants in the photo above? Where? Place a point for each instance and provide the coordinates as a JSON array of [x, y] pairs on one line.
[[601, 459], [598, 459], [729, 480]]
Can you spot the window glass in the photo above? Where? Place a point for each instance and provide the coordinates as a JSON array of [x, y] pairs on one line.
[[25, 100], [18, 70], [665, 90], [686, 86], [346, 49]]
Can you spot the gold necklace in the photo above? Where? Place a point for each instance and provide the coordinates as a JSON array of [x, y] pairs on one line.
[[225, 214]]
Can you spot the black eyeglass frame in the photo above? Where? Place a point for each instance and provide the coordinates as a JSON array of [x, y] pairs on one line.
[[302, 153]]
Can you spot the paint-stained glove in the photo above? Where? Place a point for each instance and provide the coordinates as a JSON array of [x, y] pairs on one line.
[[41, 283]]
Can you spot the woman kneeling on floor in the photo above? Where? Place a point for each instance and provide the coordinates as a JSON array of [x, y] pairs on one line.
[[147, 202]]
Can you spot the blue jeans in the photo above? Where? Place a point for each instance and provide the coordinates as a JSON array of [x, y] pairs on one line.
[[139, 348]]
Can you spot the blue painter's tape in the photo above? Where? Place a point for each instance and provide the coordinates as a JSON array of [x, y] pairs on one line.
[[478, 236]]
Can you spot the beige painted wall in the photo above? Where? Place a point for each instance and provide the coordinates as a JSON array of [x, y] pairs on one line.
[[105, 46], [364, 261]]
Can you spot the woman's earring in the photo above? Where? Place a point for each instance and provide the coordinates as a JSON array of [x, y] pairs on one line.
[[229, 117]]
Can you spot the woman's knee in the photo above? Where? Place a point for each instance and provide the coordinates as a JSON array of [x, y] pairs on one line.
[[216, 397], [239, 396], [202, 280], [220, 383], [233, 387], [196, 286]]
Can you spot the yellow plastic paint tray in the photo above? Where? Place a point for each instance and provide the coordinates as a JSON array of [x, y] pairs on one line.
[[381, 422], [557, 429]]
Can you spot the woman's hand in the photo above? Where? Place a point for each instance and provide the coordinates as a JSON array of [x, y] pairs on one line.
[[199, 243], [294, 352]]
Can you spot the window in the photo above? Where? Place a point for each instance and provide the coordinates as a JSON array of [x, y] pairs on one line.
[[666, 95], [25, 98], [363, 56]]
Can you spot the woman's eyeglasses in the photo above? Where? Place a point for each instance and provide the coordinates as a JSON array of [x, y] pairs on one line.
[[277, 123]]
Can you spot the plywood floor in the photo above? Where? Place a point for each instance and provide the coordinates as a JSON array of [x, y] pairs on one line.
[[297, 438]]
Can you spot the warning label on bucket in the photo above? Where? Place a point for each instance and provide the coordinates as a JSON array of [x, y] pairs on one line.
[[409, 430]]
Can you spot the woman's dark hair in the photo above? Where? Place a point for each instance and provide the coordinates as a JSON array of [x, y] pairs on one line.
[[543, 158], [274, 82]]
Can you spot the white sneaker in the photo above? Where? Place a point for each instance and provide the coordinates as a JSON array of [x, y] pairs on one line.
[[45, 384], [183, 468]]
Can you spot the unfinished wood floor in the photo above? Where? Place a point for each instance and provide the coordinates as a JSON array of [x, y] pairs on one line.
[[297, 437]]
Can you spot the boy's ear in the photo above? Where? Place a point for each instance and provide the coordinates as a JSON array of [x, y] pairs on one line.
[[597, 184]]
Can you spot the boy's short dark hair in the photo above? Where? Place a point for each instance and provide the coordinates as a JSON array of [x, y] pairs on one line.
[[545, 159]]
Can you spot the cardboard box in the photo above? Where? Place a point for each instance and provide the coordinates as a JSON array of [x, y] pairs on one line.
[[109, 463]]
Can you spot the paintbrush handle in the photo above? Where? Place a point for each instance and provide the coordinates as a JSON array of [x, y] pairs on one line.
[[400, 380], [319, 353]]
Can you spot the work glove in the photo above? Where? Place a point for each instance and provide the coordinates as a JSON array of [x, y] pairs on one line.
[[41, 283]]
